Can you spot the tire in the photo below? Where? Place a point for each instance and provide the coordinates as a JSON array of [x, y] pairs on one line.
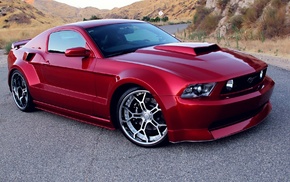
[[140, 118], [20, 92]]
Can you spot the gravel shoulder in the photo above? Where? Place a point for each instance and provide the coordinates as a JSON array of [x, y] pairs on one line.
[[272, 60], [3, 58]]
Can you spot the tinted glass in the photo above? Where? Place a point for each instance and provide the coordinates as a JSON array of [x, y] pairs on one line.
[[63, 40], [123, 38]]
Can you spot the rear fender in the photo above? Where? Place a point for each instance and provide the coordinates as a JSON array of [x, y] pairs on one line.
[[25, 67]]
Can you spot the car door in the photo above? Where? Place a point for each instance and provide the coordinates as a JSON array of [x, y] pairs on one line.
[[69, 81]]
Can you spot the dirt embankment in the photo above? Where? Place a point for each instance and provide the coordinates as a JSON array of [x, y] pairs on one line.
[[272, 60]]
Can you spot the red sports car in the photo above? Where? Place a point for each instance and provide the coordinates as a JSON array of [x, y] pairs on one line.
[[131, 75]]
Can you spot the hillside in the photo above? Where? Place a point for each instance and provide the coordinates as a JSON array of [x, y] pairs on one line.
[[255, 18], [259, 17], [178, 10], [249, 19], [18, 13], [66, 12]]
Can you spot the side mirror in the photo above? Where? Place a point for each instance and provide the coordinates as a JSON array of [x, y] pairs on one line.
[[77, 52]]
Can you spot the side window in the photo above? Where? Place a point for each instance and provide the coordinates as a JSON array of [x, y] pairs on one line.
[[60, 41]]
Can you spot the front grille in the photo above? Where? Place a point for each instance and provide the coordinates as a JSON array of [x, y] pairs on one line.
[[244, 82], [233, 120]]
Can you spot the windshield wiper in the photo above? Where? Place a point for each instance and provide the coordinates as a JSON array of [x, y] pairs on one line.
[[121, 52]]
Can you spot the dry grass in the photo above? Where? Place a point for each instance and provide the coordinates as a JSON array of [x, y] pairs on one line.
[[276, 47], [7, 36]]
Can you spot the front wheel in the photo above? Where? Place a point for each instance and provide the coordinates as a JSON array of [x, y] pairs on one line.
[[20, 92], [140, 118]]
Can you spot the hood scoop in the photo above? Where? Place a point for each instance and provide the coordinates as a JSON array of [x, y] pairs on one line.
[[193, 49]]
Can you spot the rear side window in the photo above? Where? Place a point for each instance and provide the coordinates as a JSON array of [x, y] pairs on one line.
[[60, 41]]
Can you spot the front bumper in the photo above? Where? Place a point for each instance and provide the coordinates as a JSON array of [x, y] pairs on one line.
[[205, 120]]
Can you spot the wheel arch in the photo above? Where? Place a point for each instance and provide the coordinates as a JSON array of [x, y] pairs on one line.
[[27, 70], [125, 85], [115, 99], [10, 75], [156, 81]]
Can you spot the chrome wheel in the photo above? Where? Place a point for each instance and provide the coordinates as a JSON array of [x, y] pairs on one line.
[[141, 119], [20, 91]]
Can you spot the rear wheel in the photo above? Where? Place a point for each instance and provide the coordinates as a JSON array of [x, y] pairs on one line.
[[140, 118], [20, 92]]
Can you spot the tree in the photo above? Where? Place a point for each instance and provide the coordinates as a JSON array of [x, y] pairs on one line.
[[146, 18], [93, 17], [165, 19]]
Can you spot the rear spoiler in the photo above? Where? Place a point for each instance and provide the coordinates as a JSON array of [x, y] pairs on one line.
[[19, 44]]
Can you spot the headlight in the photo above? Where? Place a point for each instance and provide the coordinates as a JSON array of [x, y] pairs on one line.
[[230, 85], [197, 90], [261, 74]]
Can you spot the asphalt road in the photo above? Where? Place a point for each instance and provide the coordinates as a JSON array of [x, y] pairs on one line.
[[174, 28], [40, 146]]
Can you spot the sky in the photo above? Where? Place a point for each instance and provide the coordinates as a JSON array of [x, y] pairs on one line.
[[100, 4]]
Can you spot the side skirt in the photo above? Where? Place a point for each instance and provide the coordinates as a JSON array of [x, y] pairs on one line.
[[88, 119]]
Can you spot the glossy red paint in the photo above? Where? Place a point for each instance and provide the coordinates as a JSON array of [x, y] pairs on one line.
[[82, 84], [77, 52]]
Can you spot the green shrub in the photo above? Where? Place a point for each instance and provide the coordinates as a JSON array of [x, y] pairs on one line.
[[279, 3], [222, 4], [146, 18], [259, 5], [253, 13], [210, 23], [199, 35], [2, 44], [93, 17], [201, 13], [8, 47], [236, 22], [165, 19], [273, 22]]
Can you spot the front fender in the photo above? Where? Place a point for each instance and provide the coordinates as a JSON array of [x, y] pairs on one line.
[[163, 86], [158, 82]]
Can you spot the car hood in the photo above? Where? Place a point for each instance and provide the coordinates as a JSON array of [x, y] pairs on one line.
[[196, 61]]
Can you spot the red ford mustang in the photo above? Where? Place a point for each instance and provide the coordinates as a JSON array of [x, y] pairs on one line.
[[131, 75]]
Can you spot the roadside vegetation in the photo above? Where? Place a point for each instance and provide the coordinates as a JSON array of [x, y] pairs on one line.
[[262, 27], [8, 36]]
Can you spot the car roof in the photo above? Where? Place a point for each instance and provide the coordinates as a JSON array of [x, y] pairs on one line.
[[94, 23]]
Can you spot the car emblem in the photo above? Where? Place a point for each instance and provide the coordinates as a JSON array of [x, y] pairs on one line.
[[251, 79]]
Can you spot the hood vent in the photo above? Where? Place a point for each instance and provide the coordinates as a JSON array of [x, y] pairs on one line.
[[193, 49], [208, 49]]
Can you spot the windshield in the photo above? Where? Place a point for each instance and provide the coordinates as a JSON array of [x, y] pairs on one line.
[[118, 39]]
